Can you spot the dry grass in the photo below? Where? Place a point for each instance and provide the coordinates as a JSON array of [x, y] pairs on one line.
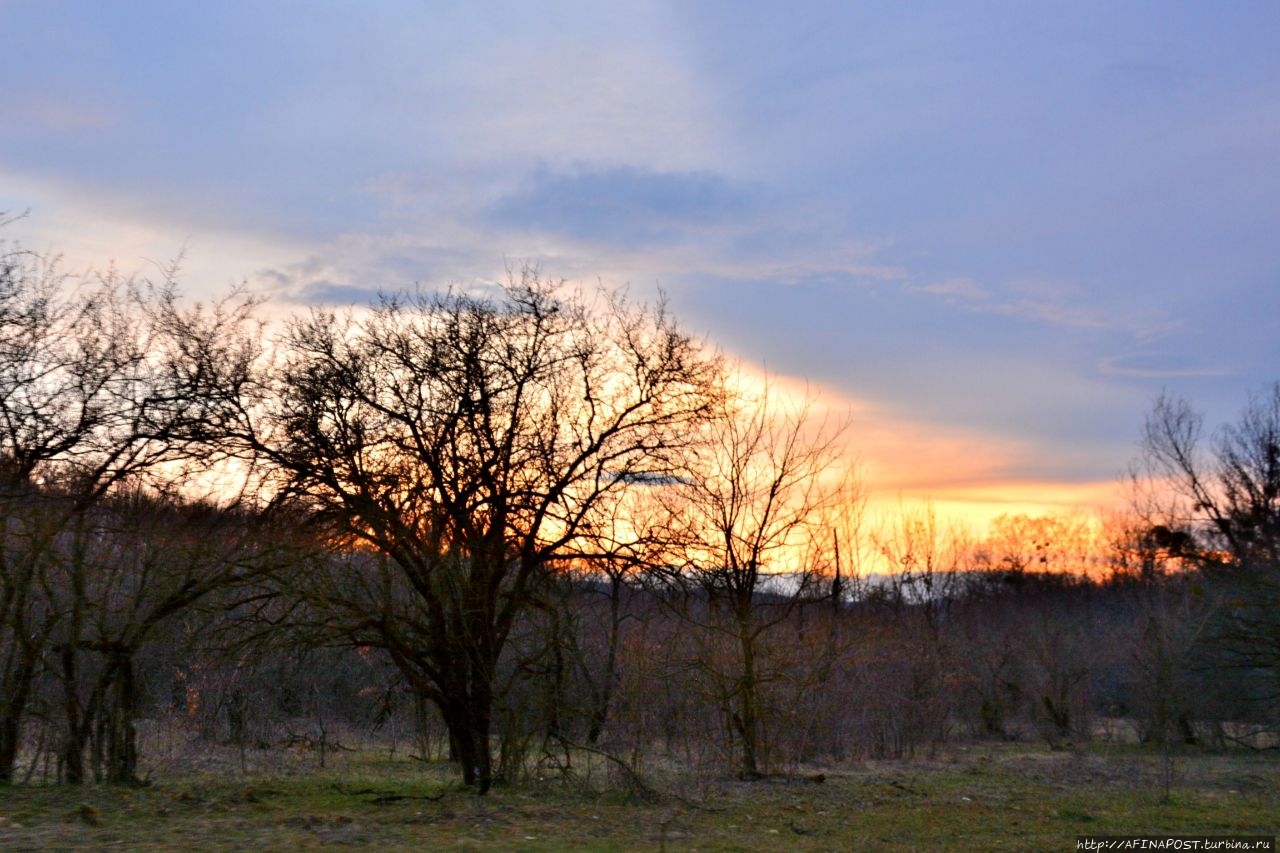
[[995, 797]]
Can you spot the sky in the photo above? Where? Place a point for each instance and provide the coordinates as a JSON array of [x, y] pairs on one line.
[[992, 232]]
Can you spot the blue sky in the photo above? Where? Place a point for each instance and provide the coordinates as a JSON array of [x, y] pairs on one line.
[[995, 231]]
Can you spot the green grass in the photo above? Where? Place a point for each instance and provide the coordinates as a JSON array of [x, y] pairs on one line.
[[985, 798]]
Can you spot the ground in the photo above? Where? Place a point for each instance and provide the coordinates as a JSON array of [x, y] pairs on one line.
[[984, 797]]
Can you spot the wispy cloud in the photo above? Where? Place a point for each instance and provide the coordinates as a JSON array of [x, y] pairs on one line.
[[1055, 313], [1040, 301], [1156, 366], [963, 290]]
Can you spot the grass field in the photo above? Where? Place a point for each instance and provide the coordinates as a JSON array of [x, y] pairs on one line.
[[986, 797]]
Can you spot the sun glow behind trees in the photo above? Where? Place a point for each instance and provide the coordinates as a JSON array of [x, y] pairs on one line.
[[444, 455], [965, 478], [964, 475]]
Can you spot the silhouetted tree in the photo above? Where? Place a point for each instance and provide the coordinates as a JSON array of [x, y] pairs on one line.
[[1228, 498], [750, 529], [103, 381], [466, 442]]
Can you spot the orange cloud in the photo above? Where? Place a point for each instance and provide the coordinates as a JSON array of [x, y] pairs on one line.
[[965, 475]]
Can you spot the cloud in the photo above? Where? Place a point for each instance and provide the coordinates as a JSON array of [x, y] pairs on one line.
[[1054, 313], [624, 204], [332, 293], [89, 232], [1050, 303], [1155, 366], [957, 290], [968, 475]]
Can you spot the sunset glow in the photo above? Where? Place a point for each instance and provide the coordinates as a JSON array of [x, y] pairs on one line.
[[988, 237], [710, 415]]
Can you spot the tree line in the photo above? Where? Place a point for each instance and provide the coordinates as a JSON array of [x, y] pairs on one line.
[[538, 521]]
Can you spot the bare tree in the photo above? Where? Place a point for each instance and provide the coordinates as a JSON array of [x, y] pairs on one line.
[[26, 617], [1227, 499], [103, 380], [146, 560], [1233, 486], [1022, 544], [925, 561], [750, 529], [627, 535], [467, 442]]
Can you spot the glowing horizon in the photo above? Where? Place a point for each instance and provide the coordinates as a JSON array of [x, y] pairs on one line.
[[963, 475], [993, 236]]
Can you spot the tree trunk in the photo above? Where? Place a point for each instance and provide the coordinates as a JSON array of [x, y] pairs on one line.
[[10, 732], [747, 720], [603, 697], [468, 717], [122, 736], [71, 755], [12, 710], [482, 777], [22, 643]]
